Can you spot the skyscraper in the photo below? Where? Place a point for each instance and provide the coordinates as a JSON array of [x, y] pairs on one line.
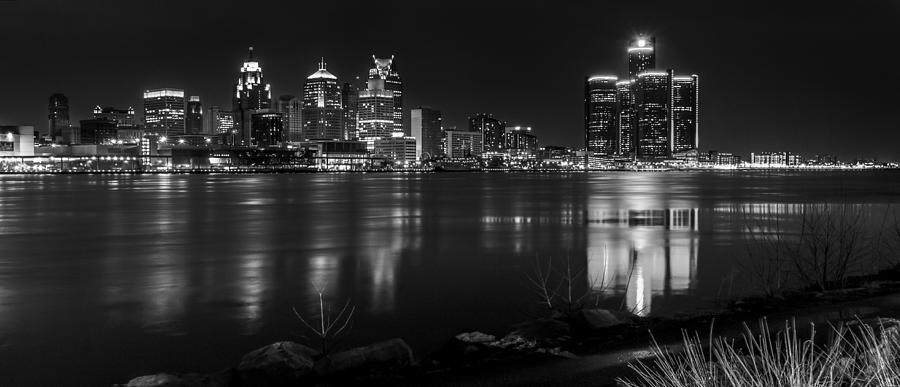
[[322, 112], [376, 113], [350, 103], [164, 111], [425, 125], [267, 127], [58, 119], [626, 124], [491, 128], [601, 115], [685, 114], [193, 120], [290, 108], [386, 70], [651, 101], [641, 55], [218, 121], [250, 93]]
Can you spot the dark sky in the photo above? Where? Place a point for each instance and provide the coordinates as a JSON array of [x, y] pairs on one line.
[[807, 76]]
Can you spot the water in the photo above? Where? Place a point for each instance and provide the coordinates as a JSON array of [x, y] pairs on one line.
[[103, 278]]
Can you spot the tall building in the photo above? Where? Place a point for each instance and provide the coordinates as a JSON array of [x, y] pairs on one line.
[[386, 70], [350, 103], [641, 55], [375, 117], [266, 128], [123, 118], [519, 138], [98, 131], [426, 127], [164, 111], [491, 128], [651, 101], [459, 144], [218, 121], [322, 111], [685, 114], [250, 93], [625, 124], [290, 108], [193, 120], [601, 115], [58, 119]]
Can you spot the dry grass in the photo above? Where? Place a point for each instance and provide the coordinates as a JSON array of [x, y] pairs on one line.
[[857, 355]]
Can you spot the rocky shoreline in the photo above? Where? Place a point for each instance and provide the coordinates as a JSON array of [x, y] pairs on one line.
[[583, 332]]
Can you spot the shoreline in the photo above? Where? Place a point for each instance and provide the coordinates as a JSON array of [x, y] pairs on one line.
[[544, 171]]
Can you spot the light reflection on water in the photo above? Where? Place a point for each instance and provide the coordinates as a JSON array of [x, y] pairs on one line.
[[193, 271]]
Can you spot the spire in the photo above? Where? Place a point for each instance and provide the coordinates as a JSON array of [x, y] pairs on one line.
[[322, 63], [250, 54]]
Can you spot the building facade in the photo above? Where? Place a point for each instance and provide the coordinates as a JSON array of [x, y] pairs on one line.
[[290, 108], [267, 128], [375, 117], [193, 120], [641, 55], [58, 119], [322, 111], [520, 138], [397, 148], [426, 127], [492, 130], [601, 116], [251, 93], [463, 144], [350, 103], [685, 113], [386, 70], [651, 100], [164, 111], [17, 140], [626, 134]]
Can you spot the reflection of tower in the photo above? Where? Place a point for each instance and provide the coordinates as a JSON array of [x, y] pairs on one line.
[[642, 253]]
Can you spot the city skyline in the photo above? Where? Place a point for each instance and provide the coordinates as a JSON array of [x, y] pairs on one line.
[[760, 91]]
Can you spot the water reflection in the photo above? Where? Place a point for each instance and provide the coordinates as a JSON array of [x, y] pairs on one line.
[[643, 253]]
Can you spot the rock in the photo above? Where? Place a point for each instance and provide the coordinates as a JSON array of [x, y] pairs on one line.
[[545, 331], [475, 337], [515, 342], [391, 354], [596, 319], [186, 380], [279, 364]]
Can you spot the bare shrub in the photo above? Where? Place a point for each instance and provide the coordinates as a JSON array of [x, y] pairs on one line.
[[330, 325]]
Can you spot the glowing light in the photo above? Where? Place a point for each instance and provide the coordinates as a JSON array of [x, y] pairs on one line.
[[642, 42], [604, 78], [163, 139]]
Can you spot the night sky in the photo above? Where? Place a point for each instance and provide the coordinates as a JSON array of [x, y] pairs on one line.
[[810, 77]]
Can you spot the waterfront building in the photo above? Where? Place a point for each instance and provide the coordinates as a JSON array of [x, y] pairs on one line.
[[164, 111], [426, 127], [460, 144], [375, 113], [775, 158], [193, 119], [626, 118], [651, 101], [641, 55], [100, 131], [58, 119], [290, 108], [124, 118], [218, 121], [397, 148], [350, 103], [322, 111], [266, 128], [386, 71], [601, 115], [492, 130], [19, 140], [250, 93], [685, 113], [519, 138]]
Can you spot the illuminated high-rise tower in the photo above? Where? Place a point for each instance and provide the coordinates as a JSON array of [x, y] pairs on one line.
[[58, 119], [386, 70], [350, 103], [601, 115], [641, 55], [193, 118], [322, 111], [491, 128], [250, 93], [375, 107], [685, 113], [164, 111], [626, 133], [651, 101]]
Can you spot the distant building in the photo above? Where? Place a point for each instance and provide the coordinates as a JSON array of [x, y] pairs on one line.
[[492, 130], [164, 111], [19, 140], [775, 158], [685, 113], [124, 118], [266, 128], [290, 108], [652, 114], [398, 148], [386, 70], [459, 144], [322, 112], [519, 138], [250, 93], [641, 55], [601, 115], [218, 121], [349, 101], [58, 119], [376, 113], [426, 128], [193, 120], [100, 131]]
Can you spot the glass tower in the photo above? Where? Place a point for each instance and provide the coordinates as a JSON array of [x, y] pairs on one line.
[[250, 93], [386, 70], [641, 55], [322, 111], [601, 115], [685, 113], [164, 111]]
